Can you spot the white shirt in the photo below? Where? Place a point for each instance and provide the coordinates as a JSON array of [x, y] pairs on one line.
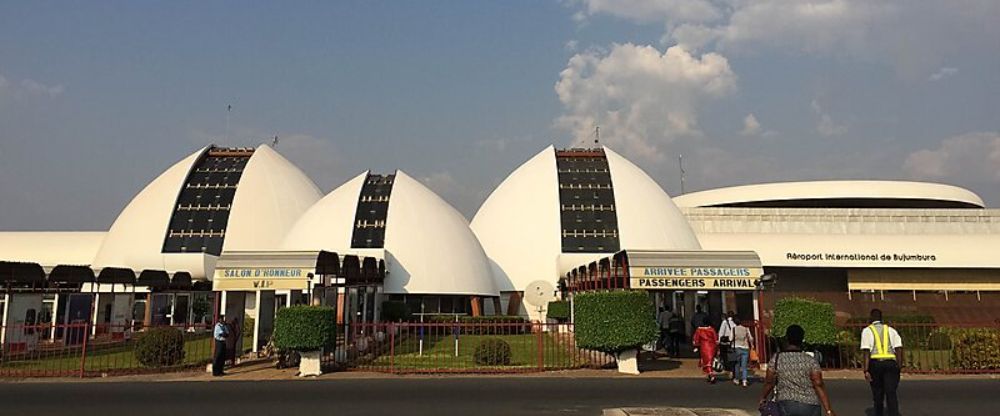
[[868, 338], [726, 329]]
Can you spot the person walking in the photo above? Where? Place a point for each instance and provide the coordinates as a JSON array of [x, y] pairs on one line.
[[705, 342], [221, 334], [663, 320], [742, 343], [883, 358], [699, 319], [796, 380], [675, 334], [726, 351]]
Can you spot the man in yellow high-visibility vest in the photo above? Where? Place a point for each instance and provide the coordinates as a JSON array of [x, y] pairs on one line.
[[883, 351]]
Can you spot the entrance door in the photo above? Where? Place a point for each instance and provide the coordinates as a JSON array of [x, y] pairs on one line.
[[181, 305], [78, 309]]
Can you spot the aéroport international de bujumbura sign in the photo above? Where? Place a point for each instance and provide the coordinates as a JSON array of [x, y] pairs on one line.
[[694, 278], [263, 278]]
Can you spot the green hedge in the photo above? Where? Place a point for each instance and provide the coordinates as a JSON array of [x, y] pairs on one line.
[[558, 310], [975, 348], [613, 322], [817, 318], [160, 347], [305, 328]]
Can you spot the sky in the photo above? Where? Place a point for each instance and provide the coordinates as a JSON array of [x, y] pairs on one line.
[[98, 98]]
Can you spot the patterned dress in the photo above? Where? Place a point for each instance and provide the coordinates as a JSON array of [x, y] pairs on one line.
[[793, 369]]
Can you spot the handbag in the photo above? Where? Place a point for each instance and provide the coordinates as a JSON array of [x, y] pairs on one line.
[[770, 406], [754, 357], [717, 365]]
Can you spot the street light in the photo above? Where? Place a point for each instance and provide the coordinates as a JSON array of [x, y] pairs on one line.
[[766, 281]]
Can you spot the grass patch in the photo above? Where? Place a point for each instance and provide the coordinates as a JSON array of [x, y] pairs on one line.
[[121, 356], [439, 353]]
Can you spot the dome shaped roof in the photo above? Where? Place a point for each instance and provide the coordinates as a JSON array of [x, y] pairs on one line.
[[521, 223], [428, 246], [259, 198], [836, 194]]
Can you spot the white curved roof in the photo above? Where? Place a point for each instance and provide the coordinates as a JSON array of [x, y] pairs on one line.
[[271, 195], [519, 224], [786, 191], [429, 247], [50, 248]]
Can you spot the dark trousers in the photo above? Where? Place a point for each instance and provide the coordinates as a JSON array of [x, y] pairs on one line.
[[885, 381], [673, 343], [219, 358], [792, 408], [727, 360]]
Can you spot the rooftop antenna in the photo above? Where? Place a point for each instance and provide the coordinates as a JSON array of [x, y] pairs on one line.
[[229, 109], [597, 136], [274, 142], [680, 162]]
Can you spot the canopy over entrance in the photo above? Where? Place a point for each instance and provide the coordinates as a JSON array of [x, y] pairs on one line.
[[293, 270], [669, 270]]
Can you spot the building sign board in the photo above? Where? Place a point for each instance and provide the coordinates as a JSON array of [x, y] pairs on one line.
[[261, 278], [694, 278]]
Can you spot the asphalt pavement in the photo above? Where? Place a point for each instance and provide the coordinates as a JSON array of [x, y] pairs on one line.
[[456, 396]]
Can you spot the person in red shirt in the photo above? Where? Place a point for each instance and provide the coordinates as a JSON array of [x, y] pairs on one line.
[[705, 341]]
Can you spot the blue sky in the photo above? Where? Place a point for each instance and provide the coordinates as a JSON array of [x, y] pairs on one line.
[[97, 98]]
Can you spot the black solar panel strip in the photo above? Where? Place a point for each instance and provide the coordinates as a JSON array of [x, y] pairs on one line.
[[587, 198], [201, 213], [372, 211]]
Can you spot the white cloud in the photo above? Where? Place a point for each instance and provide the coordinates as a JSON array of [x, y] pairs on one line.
[[913, 37], [34, 87], [28, 87], [572, 45], [641, 98], [649, 11], [751, 126], [971, 156], [943, 73], [826, 126]]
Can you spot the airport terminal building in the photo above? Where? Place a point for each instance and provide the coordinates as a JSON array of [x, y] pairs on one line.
[[244, 230]]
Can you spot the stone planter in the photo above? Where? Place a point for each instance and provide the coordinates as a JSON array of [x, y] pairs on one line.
[[309, 364], [628, 362]]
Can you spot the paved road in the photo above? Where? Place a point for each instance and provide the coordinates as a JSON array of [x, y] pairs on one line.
[[453, 396]]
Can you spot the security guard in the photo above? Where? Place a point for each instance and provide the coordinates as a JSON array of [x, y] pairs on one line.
[[883, 353]]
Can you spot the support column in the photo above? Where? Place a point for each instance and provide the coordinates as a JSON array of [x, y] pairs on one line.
[[476, 305]]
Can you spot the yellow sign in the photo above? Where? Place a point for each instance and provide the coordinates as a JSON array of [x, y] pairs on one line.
[[694, 278], [265, 278]]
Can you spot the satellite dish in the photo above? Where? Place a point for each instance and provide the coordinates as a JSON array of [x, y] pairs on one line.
[[539, 293]]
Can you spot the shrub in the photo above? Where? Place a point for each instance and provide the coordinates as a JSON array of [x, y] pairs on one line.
[[492, 351], [305, 328], [975, 348], [160, 347], [199, 308], [395, 311], [817, 318], [939, 341], [558, 310], [613, 322]]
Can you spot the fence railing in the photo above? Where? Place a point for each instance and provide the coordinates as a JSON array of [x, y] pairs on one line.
[[461, 348], [83, 350], [929, 348]]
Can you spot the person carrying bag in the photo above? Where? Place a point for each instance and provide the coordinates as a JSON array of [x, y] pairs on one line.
[[796, 381]]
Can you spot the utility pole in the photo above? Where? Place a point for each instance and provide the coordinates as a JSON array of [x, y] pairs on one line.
[[680, 162]]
